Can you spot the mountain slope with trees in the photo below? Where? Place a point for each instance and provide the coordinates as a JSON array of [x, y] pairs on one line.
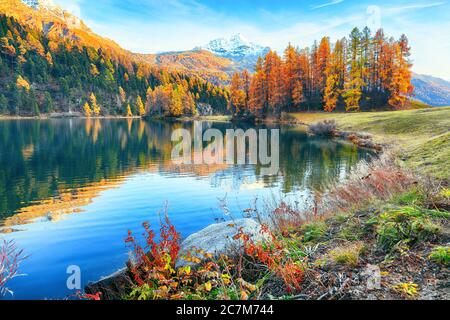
[[47, 66]]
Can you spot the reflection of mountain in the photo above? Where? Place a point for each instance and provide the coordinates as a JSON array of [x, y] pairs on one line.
[[71, 161], [54, 209]]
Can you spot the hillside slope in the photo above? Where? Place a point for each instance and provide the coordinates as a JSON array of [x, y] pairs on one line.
[[215, 61], [196, 62], [57, 24], [431, 90], [47, 66]]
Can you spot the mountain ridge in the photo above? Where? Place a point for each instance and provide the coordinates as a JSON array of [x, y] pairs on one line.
[[431, 90]]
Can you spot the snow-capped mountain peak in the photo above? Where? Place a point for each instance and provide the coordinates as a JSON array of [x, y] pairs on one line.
[[235, 46], [49, 7], [40, 4]]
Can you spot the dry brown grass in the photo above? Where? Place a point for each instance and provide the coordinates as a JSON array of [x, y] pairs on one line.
[[380, 179]]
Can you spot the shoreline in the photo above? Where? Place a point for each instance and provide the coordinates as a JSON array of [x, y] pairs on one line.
[[48, 117], [358, 139]]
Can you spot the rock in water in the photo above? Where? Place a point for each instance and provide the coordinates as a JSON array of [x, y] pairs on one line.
[[113, 287], [218, 238]]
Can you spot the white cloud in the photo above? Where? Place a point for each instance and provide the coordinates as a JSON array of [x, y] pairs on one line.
[[332, 3], [417, 6]]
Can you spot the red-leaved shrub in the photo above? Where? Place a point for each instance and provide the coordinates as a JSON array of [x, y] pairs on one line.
[[10, 259]]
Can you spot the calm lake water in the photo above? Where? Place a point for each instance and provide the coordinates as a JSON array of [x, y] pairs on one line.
[[71, 189]]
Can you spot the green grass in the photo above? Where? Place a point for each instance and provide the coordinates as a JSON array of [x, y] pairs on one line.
[[423, 134], [441, 255], [313, 231], [407, 224]]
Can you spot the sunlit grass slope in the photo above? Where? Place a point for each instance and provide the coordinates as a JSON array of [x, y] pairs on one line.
[[423, 135]]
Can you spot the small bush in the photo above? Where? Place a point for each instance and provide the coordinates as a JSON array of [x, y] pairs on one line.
[[408, 224], [313, 231], [157, 277], [325, 128], [347, 255], [441, 255], [278, 258]]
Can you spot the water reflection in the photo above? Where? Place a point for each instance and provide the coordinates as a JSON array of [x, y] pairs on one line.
[[48, 168]]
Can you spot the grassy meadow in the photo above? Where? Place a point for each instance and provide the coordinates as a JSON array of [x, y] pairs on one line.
[[422, 135]]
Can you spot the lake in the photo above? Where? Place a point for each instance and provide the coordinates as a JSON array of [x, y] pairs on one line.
[[70, 189]]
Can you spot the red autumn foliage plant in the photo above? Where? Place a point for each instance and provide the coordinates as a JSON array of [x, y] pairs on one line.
[[272, 254], [155, 259]]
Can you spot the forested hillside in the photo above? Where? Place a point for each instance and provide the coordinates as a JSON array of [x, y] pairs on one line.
[[41, 75], [362, 72]]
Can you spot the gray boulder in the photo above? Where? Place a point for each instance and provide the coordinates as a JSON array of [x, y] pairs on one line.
[[218, 239]]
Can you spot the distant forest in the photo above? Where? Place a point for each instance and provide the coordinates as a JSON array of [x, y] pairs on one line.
[[361, 72], [38, 75]]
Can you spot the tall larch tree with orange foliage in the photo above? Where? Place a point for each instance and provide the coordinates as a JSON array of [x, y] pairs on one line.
[[323, 55], [335, 77], [238, 97], [273, 68], [400, 81], [258, 90], [354, 83]]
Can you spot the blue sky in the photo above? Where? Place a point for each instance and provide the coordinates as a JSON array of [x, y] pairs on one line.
[[149, 26]]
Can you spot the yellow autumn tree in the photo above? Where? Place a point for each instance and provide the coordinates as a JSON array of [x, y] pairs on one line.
[[129, 113], [176, 104], [140, 106], [93, 70], [334, 81], [22, 83], [87, 110], [95, 107], [49, 58]]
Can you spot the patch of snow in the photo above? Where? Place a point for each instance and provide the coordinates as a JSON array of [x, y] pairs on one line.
[[237, 45]]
